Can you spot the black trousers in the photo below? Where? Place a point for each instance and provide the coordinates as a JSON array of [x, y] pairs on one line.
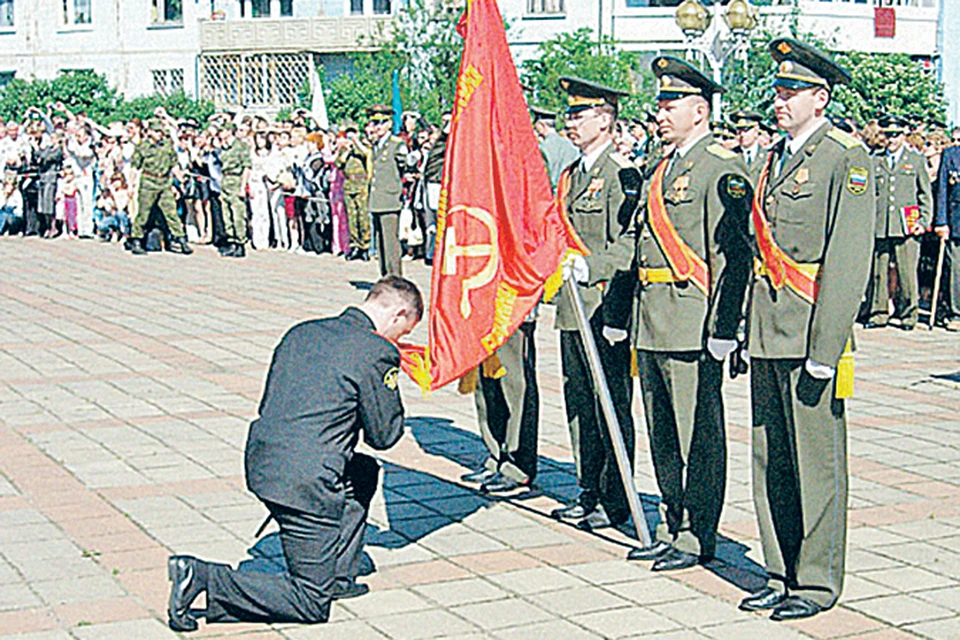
[[510, 411], [596, 465], [319, 550], [684, 410]]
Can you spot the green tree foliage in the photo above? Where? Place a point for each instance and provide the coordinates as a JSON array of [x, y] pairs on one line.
[[90, 93], [423, 45], [882, 82], [580, 54]]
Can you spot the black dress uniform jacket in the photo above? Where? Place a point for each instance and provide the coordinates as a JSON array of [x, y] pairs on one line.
[[329, 380]]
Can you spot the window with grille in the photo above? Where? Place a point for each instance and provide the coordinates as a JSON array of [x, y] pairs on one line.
[[254, 80], [166, 82], [77, 12], [167, 11], [6, 13], [356, 7], [381, 7], [540, 7]]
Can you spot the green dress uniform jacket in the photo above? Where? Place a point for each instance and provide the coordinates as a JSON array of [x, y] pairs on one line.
[[389, 160], [821, 210], [907, 183], [593, 205], [707, 195], [155, 162]]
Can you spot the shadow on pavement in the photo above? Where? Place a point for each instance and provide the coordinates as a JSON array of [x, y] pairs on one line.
[[558, 480], [419, 503]]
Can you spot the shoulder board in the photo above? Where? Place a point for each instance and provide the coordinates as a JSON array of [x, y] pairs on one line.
[[721, 152], [846, 140], [396, 139]]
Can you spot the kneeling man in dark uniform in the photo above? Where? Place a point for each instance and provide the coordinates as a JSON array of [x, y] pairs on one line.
[[330, 380]]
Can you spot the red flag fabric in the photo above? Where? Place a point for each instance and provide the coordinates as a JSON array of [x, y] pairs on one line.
[[500, 232]]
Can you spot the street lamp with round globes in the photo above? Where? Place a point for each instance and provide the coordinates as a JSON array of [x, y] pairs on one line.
[[692, 18], [740, 17]]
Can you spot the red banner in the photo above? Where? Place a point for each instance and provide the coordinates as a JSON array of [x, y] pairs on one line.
[[500, 233], [884, 22]]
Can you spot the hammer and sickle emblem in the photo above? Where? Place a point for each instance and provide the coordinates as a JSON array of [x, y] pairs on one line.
[[452, 251]]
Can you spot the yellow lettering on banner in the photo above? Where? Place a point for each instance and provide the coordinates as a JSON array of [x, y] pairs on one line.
[[442, 211], [467, 84], [502, 314]]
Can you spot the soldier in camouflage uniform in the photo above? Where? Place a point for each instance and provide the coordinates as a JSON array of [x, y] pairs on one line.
[[235, 159], [156, 160], [353, 158], [813, 220]]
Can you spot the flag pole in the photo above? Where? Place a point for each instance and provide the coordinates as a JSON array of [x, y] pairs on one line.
[[600, 388]]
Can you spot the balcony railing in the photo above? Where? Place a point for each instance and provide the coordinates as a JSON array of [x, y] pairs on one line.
[[320, 35]]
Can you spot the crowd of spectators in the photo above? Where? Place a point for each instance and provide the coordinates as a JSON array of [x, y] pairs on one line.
[[66, 176]]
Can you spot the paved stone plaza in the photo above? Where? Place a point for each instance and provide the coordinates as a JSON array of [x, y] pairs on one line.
[[126, 388]]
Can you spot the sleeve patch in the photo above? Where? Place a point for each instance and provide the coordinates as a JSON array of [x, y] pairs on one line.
[[390, 378], [736, 187], [857, 180]]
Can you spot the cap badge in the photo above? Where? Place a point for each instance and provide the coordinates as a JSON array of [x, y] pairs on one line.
[[784, 48]]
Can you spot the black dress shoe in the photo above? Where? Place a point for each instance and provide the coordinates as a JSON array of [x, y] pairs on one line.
[[795, 608], [766, 598], [136, 247], [238, 251], [500, 483], [908, 327], [179, 245], [344, 589], [576, 511], [188, 576], [654, 551], [872, 324], [599, 519], [674, 560], [479, 476]]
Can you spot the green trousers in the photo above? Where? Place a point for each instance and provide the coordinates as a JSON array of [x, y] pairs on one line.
[[234, 212], [799, 479], [358, 219], [905, 253], [684, 410], [162, 197]]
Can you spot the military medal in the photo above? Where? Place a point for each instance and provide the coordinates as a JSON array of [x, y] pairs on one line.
[[680, 186], [803, 176], [594, 188]]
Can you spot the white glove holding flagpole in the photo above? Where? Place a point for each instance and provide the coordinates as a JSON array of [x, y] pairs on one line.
[[576, 266]]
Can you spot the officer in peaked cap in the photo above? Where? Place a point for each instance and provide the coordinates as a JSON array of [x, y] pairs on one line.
[[389, 159], [904, 210], [694, 262], [813, 225], [747, 126], [599, 193]]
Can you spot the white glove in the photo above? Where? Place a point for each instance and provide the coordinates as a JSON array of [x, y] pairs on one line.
[[614, 335], [720, 348], [819, 371], [576, 266]]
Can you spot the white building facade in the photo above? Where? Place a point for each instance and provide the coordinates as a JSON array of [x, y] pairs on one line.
[[258, 53]]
